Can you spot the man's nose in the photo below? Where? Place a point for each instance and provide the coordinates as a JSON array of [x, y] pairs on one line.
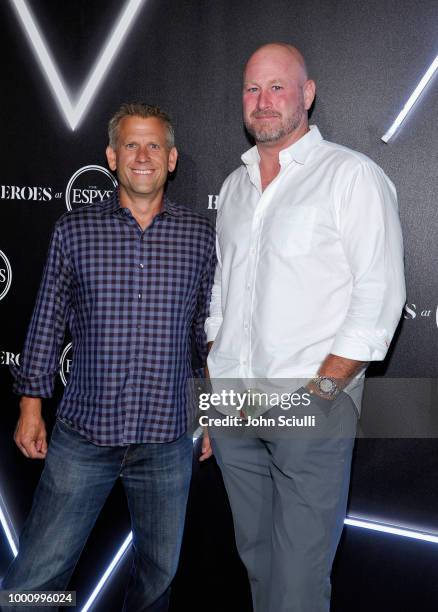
[[142, 153], [264, 100]]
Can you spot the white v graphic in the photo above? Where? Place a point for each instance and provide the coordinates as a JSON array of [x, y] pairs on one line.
[[74, 112], [411, 100]]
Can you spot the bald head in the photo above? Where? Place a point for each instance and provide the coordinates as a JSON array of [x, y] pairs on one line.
[[277, 93], [289, 53]]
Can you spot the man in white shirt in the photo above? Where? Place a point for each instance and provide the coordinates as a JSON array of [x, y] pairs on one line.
[[309, 285]]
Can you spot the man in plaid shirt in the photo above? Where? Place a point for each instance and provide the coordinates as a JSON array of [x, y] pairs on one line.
[[131, 277]]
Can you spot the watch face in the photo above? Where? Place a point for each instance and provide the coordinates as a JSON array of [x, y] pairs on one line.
[[326, 385]]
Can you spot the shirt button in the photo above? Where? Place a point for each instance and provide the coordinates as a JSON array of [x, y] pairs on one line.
[[138, 327], [245, 325], [139, 296], [141, 266], [248, 286]]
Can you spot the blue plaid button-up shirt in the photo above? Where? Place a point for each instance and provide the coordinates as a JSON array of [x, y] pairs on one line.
[[133, 301]]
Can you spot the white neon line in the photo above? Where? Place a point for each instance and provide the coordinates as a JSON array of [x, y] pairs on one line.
[[392, 529], [411, 100], [46, 62], [111, 567], [8, 528], [104, 61], [354, 522], [73, 114]]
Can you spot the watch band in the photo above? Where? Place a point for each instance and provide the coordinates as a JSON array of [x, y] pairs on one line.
[[326, 386]]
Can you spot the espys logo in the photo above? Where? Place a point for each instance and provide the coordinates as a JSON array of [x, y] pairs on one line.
[[5, 275], [88, 185], [65, 363]]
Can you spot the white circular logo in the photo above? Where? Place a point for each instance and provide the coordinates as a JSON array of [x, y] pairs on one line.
[[65, 363], [88, 185], [5, 275]]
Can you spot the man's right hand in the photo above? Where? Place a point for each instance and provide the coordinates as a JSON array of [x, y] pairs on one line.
[[30, 434]]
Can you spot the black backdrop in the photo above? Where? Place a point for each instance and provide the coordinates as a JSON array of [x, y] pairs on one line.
[[366, 57]]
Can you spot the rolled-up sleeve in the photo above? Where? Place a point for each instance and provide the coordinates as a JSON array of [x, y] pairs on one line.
[[203, 302], [371, 237], [39, 361]]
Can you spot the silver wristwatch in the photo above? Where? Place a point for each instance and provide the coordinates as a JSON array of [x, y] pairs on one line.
[[326, 387]]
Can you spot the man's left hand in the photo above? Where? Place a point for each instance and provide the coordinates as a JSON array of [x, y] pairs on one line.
[[206, 447]]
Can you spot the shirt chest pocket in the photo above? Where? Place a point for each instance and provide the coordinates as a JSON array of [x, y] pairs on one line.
[[289, 232]]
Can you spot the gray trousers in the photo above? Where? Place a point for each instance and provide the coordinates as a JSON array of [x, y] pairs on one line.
[[288, 496]]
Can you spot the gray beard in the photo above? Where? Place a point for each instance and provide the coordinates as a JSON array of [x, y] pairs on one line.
[[267, 135], [273, 135]]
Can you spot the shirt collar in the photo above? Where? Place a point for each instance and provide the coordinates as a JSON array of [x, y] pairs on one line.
[[172, 208], [298, 151], [112, 205]]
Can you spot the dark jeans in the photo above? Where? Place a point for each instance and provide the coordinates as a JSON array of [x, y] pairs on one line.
[[76, 480]]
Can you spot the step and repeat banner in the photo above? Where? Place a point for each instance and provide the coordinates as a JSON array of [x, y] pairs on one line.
[[68, 66]]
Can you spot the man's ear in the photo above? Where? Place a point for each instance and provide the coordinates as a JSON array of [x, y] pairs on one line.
[[111, 158], [309, 90], [173, 157]]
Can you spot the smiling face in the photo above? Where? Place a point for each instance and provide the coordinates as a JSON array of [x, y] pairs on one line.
[[276, 95], [141, 158]]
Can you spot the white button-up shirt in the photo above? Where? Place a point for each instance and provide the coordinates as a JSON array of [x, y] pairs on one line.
[[310, 266]]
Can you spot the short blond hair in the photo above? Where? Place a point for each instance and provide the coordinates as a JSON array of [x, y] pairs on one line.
[[139, 109]]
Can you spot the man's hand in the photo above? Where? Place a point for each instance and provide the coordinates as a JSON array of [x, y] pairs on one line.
[[30, 433], [206, 372], [340, 369], [206, 447]]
